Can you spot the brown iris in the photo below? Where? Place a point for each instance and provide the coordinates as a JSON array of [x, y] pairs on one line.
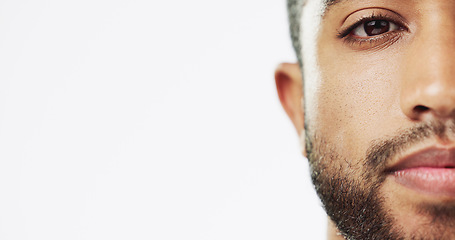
[[376, 27]]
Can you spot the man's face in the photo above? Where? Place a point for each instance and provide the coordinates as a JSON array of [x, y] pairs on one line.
[[379, 100]]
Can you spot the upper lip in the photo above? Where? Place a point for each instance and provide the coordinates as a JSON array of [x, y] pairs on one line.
[[433, 157]]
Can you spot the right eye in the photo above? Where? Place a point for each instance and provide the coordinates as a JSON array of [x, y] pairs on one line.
[[373, 28]]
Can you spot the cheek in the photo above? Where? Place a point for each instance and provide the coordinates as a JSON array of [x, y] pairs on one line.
[[358, 98]]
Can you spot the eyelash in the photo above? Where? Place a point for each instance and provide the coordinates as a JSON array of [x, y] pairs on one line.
[[393, 35]]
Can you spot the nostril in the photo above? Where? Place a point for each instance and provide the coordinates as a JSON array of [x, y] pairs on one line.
[[420, 109]]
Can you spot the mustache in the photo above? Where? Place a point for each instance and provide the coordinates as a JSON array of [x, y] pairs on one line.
[[382, 150]]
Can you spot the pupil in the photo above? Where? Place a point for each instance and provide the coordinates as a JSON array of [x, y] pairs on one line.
[[376, 27]]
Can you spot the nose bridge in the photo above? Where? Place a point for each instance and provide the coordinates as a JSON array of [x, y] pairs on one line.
[[428, 85]]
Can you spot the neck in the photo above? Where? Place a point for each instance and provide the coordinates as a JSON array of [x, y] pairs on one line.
[[332, 232]]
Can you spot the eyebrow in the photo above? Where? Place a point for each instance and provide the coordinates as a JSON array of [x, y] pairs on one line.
[[330, 3]]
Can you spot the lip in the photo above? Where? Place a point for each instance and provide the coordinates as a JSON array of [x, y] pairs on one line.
[[430, 171]]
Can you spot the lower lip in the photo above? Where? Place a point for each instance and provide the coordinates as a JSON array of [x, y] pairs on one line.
[[434, 181]]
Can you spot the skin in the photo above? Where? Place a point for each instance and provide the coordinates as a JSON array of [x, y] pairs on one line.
[[359, 90]]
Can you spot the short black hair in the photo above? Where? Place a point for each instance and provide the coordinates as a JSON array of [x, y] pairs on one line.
[[295, 8]]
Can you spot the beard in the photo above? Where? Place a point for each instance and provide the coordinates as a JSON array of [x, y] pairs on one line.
[[350, 191]]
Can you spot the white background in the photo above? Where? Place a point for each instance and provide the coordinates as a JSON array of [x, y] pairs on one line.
[[146, 119]]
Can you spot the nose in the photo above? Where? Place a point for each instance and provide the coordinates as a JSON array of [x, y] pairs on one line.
[[428, 80]]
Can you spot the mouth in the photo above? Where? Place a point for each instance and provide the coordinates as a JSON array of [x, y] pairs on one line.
[[430, 171]]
